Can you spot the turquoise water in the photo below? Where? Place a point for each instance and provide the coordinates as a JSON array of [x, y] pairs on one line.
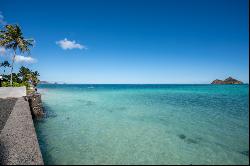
[[144, 124]]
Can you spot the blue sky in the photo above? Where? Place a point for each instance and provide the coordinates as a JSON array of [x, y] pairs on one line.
[[134, 41]]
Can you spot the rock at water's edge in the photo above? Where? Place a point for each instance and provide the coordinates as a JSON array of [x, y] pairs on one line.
[[35, 103]]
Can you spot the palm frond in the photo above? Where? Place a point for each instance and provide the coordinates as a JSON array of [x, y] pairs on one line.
[[12, 38]]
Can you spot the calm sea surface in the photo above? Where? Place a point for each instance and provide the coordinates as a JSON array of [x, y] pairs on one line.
[[144, 124]]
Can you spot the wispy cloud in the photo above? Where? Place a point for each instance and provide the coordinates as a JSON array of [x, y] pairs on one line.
[[67, 44], [2, 51], [2, 21], [20, 58]]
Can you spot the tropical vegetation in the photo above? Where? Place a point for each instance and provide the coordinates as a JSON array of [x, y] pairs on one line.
[[25, 77], [11, 38]]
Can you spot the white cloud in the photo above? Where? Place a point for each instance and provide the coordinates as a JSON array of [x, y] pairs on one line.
[[2, 21], [20, 58], [2, 51], [67, 44]]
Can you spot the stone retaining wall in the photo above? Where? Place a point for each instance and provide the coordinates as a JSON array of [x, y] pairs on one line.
[[6, 92], [35, 103]]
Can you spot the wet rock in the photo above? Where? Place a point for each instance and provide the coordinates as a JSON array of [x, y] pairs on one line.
[[35, 103]]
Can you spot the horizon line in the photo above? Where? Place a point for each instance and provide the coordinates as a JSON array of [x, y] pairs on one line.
[[57, 83]]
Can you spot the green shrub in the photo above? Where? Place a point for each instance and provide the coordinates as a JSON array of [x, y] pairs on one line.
[[15, 84], [5, 83]]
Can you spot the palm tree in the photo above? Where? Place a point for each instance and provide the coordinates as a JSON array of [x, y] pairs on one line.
[[12, 38], [5, 64], [34, 77], [24, 73], [29, 76]]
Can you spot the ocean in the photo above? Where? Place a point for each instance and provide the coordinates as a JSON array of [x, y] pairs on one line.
[[144, 124]]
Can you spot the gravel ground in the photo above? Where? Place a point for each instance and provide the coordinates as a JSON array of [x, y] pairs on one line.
[[6, 106], [18, 140]]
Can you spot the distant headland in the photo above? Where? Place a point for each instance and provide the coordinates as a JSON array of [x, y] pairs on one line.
[[46, 82], [229, 80]]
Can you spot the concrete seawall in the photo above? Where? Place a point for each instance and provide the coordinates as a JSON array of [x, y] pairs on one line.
[[6, 92], [18, 139]]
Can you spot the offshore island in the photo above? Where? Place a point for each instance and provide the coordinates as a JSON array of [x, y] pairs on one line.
[[124, 82], [229, 80]]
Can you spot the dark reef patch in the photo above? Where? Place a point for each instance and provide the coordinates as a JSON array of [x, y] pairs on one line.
[[89, 103], [246, 153], [86, 102], [48, 113], [181, 136], [116, 109], [190, 140], [121, 108]]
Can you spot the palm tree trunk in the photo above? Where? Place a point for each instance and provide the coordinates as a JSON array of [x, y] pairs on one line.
[[12, 66]]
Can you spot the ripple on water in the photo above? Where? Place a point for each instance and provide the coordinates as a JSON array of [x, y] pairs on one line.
[[166, 125]]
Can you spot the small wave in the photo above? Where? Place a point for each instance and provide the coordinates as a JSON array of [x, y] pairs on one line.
[[90, 87], [41, 90]]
